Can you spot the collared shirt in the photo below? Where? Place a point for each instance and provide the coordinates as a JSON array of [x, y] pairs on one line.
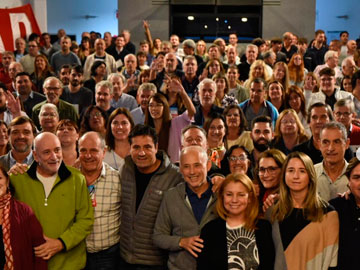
[[250, 113], [138, 115], [328, 189], [105, 196], [126, 101], [199, 205], [28, 160]]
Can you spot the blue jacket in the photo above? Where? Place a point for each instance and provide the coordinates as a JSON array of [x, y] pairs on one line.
[[274, 114]]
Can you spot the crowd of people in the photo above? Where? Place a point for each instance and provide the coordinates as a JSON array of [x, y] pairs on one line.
[[179, 155]]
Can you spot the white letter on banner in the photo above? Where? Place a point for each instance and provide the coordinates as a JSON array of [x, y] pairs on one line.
[[15, 20], [2, 47]]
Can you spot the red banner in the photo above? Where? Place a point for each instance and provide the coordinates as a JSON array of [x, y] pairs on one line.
[[14, 23]]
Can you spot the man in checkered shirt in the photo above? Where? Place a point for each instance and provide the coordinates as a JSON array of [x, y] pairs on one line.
[[104, 188]]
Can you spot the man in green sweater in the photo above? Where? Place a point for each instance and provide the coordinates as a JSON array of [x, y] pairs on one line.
[[60, 200]]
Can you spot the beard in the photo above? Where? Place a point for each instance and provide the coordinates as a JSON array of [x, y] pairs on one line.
[[261, 147], [3, 108]]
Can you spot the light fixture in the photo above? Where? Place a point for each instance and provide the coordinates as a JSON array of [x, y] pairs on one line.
[[205, 26], [244, 19], [226, 21], [217, 19], [229, 27], [190, 18]]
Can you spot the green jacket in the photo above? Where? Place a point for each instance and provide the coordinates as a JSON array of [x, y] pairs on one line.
[[65, 109], [67, 214]]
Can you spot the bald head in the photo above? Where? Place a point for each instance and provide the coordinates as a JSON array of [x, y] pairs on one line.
[[193, 150], [95, 137], [47, 153]]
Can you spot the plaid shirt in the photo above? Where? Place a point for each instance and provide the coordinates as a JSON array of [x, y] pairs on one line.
[[105, 195]]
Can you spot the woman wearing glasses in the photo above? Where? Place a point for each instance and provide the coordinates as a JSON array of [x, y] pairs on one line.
[[169, 129], [267, 173]]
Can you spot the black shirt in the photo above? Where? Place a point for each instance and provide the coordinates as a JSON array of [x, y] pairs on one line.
[[349, 235], [142, 181], [315, 154]]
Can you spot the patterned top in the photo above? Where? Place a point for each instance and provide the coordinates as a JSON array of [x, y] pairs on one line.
[[106, 202], [242, 249]]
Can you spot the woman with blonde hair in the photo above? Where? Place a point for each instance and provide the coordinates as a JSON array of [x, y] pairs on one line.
[[201, 50], [276, 95], [238, 239], [289, 131], [305, 228], [297, 71], [257, 70], [42, 71], [281, 74]]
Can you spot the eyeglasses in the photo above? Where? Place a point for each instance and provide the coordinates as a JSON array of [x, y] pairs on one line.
[[235, 158], [345, 114], [96, 114], [49, 115], [270, 170]]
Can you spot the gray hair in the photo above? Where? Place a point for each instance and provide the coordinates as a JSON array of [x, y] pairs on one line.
[[185, 129], [345, 102], [49, 106], [202, 152], [53, 78], [207, 80], [249, 46], [348, 59], [147, 86], [329, 54], [335, 125], [116, 75], [106, 84]]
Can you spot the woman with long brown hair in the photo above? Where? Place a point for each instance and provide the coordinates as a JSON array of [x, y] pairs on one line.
[[42, 71], [119, 126], [305, 228], [169, 129]]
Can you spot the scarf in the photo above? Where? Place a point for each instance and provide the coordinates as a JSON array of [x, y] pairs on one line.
[[5, 205]]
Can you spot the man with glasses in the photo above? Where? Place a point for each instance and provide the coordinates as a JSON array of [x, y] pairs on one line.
[[344, 113], [53, 89], [329, 93], [257, 105]]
